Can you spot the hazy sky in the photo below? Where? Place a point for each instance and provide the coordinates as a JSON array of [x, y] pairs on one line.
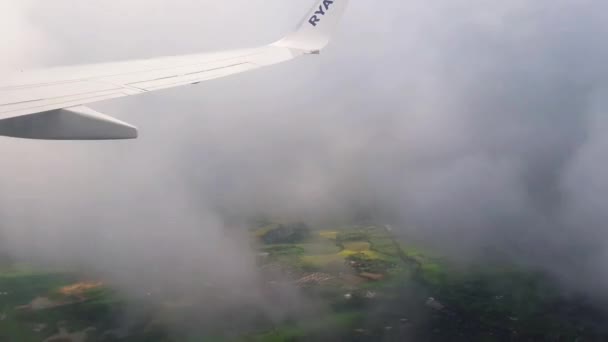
[[472, 119]]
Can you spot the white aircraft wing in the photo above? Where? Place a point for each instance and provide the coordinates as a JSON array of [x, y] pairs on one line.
[[49, 104]]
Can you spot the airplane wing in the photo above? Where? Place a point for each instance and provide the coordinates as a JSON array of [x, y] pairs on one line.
[[49, 104]]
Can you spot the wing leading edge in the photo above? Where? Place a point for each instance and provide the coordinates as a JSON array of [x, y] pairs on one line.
[[49, 104]]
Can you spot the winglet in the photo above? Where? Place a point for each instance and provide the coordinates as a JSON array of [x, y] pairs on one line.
[[317, 27]]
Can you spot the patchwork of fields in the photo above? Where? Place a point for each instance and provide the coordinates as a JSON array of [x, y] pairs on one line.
[[369, 285]]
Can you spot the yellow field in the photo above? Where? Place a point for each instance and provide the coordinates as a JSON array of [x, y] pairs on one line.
[[328, 234], [357, 246]]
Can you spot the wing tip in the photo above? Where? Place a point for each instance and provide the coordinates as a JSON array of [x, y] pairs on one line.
[[317, 28]]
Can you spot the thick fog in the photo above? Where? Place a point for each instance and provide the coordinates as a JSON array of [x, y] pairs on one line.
[[475, 126]]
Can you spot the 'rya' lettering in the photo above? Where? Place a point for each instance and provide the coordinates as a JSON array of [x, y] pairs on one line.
[[316, 18]]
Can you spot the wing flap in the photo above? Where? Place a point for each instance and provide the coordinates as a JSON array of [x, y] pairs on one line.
[[194, 77], [44, 105], [24, 96]]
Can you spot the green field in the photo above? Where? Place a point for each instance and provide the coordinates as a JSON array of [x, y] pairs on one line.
[[373, 287]]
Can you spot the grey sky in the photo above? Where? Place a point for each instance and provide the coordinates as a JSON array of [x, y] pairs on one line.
[[468, 123]]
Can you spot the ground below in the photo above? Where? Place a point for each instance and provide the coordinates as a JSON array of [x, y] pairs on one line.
[[373, 286]]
